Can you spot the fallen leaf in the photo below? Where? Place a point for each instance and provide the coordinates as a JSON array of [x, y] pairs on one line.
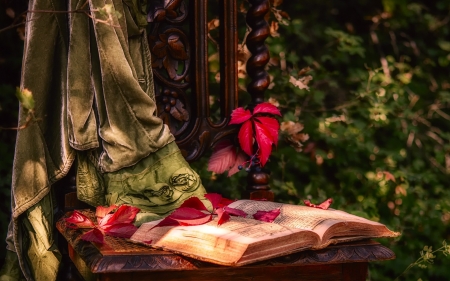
[[101, 211], [195, 203], [223, 216], [78, 220], [214, 198], [324, 205], [235, 212], [266, 216], [122, 230], [125, 214], [94, 235], [190, 216]]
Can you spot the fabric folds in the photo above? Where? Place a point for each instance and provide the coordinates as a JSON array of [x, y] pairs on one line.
[[88, 68]]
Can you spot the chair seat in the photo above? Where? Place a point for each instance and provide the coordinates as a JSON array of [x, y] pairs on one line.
[[119, 259]]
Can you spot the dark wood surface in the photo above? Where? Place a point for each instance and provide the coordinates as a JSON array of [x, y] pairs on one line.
[[118, 255]]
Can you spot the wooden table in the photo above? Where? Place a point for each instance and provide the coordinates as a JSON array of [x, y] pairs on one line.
[[121, 260]]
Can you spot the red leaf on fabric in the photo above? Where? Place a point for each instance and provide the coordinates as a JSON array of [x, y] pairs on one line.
[[122, 230], [266, 107], [240, 115], [190, 216], [264, 140], [125, 214], [235, 212], [195, 203], [222, 158], [245, 137], [240, 159], [267, 216], [78, 220], [214, 198], [223, 216], [324, 205], [272, 127], [94, 235], [101, 211]]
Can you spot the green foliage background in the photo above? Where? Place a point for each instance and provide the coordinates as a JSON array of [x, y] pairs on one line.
[[378, 105]]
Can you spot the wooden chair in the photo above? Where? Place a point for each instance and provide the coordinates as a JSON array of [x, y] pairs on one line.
[[182, 93]]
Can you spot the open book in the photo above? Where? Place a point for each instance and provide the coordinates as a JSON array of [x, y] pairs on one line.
[[242, 241]]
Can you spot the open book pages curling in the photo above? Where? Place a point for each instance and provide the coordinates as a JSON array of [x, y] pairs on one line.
[[242, 241]]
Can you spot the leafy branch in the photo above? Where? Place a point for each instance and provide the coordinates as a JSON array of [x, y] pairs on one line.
[[427, 256]]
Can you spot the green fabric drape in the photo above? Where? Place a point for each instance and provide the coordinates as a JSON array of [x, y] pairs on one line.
[[93, 88]]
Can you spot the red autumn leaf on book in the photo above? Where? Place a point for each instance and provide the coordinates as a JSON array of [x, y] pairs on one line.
[[195, 203], [267, 216], [223, 216], [324, 205], [190, 216], [194, 212], [94, 235], [78, 220], [214, 198], [235, 212]]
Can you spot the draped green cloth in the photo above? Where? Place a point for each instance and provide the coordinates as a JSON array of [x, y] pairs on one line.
[[91, 79]]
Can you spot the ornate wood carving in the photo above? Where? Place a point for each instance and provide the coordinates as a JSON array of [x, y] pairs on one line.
[[178, 45]]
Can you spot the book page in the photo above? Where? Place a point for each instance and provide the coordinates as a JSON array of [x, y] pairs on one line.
[[236, 242], [317, 220]]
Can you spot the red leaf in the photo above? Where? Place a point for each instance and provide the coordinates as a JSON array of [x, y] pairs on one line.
[[246, 137], [167, 221], [222, 158], [214, 198], [235, 212], [94, 235], [266, 107], [324, 205], [272, 127], [267, 216], [101, 211], [225, 202], [223, 216], [78, 220], [190, 216], [122, 230], [240, 115], [240, 160], [195, 203], [125, 214], [264, 141]]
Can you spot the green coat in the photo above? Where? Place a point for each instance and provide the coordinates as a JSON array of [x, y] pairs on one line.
[[92, 84]]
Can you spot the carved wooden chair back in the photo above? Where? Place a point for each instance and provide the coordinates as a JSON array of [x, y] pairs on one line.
[[178, 39]]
